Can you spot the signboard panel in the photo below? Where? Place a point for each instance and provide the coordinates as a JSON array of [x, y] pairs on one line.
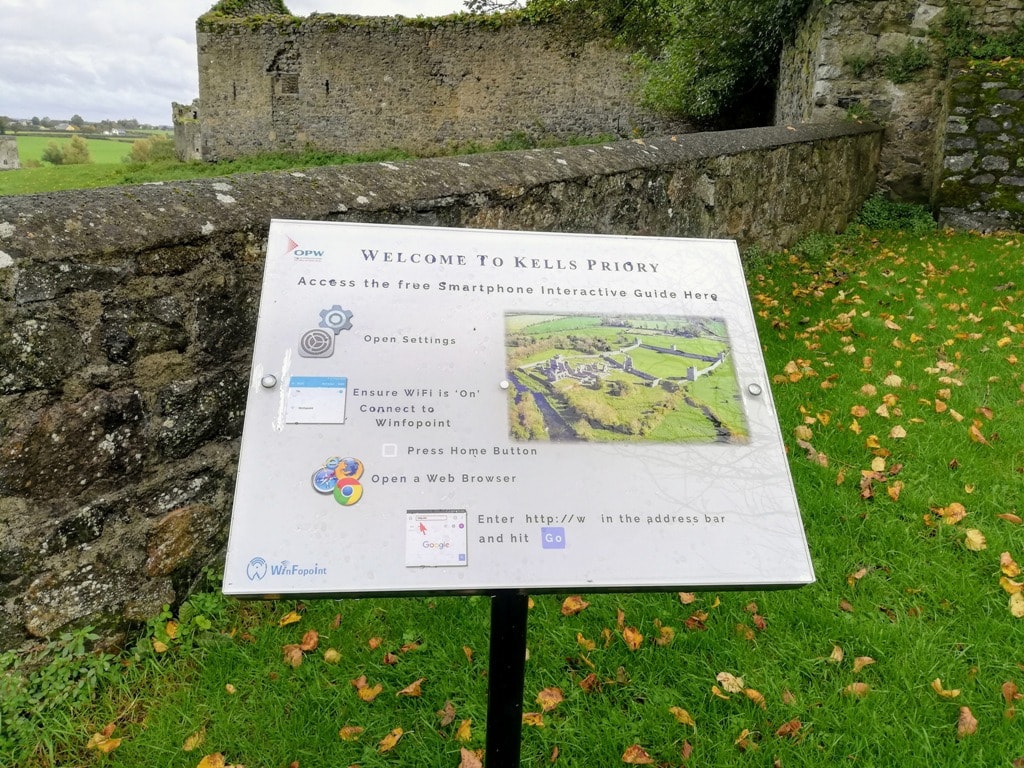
[[459, 410]]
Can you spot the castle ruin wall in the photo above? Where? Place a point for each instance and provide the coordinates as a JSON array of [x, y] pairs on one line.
[[363, 84]]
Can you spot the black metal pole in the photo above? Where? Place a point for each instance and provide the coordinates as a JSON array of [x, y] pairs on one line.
[[506, 672]]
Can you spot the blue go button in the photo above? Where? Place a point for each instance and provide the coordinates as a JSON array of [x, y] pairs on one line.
[[552, 538]]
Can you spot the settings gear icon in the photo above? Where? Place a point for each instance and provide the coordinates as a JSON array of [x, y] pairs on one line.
[[337, 318]]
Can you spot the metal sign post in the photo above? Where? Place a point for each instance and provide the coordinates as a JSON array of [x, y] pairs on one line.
[[457, 411]]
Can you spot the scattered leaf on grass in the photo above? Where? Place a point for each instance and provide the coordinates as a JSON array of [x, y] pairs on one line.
[[446, 714], [856, 576], [686, 598], [682, 717], [743, 741], [374, 643], [536, 719], [310, 640], [952, 514], [159, 646], [974, 540], [216, 760], [966, 725], [465, 730], [1017, 605], [103, 741], [289, 618], [292, 655], [470, 759], [755, 696], [837, 655], [637, 755], [860, 662], [1010, 692], [469, 653], [730, 682], [860, 690], [1010, 518], [590, 683], [946, 694], [791, 729], [716, 691], [686, 751], [332, 656], [633, 638], [412, 689], [194, 740], [554, 753], [1008, 566], [549, 698], [665, 636], [976, 434], [388, 742], [584, 643], [350, 732], [573, 604], [231, 690]]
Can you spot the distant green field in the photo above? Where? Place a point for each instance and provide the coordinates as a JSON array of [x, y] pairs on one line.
[[102, 151]]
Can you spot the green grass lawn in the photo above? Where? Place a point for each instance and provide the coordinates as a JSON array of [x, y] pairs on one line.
[[896, 364], [104, 151]]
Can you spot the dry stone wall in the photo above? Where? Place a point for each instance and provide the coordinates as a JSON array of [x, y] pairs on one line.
[[839, 65], [359, 84], [129, 316], [982, 174]]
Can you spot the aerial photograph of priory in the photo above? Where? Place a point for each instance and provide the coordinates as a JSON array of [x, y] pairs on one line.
[[631, 378]]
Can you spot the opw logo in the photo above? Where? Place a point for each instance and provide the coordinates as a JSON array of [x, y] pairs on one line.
[[294, 250]]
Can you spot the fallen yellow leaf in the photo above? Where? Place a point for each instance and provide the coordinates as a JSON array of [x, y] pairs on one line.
[[289, 618], [637, 755], [388, 742], [350, 732], [1008, 566], [194, 740], [730, 682], [755, 696], [1017, 605], [966, 725], [216, 760], [549, 698], [368, 693], [860, 662], [946, 694], [860, 690], [536, 719], [412, 689], [573, 605], [469, 759], [465, 731], [682, 717], [633, 638], [974, 540]]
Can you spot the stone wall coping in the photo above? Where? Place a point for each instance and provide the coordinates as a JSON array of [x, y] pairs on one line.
[[108, 222]]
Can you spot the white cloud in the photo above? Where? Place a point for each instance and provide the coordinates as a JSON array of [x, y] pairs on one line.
[[109, 59]]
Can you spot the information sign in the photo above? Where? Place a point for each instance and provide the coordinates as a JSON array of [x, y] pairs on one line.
[[460, 410]]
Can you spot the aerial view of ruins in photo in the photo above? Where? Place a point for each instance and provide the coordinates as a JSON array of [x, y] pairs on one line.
[[636, 378]]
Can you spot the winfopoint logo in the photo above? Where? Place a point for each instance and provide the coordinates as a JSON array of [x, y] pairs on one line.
[[258, 568]]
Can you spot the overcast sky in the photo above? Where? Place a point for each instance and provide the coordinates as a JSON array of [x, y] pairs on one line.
[[111, 59]]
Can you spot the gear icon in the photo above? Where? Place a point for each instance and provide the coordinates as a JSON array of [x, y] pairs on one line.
[[337, 318]]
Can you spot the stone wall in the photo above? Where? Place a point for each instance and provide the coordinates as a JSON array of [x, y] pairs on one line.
[[982, 175], [129, 316], [362, 84], [837, 66], [9, 153], [187, 136]]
